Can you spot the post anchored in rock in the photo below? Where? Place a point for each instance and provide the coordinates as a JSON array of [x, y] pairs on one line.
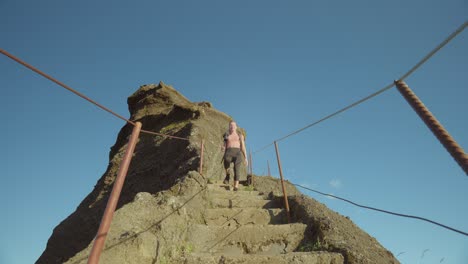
[[202, 150], [114, 198], [268, 165], [286, 203], [433, 124], [251, 168]]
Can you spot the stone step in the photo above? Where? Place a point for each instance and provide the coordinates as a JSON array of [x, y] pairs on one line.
[[241, 192], [247, 239], [242, 203], [317, 257], [228, 188], [238, 195], [244, 216]]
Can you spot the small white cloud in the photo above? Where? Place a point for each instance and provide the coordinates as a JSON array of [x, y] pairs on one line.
[[359, 211], [336, 184], [331, 197]]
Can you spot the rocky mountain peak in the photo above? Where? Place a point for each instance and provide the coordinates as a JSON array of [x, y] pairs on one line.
[[169, 213]]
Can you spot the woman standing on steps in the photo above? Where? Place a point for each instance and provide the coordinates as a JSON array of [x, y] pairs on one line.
[[234, 152]]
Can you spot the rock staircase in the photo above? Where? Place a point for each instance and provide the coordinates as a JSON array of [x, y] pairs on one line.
[[244, 227]]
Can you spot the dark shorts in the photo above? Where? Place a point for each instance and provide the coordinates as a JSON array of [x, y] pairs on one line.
[[234, 155]]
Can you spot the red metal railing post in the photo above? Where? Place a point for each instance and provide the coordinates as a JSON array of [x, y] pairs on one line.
[[114, 198], [433, 124], [251, 168], [202, 150], [250, 162], [286, 203], [268, 165]]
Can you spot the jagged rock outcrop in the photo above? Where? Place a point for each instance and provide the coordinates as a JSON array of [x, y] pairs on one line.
[[158, 164], [166, 206]]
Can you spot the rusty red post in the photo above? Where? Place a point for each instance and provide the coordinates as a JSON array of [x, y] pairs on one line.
[[433, 124], [286, 203], [251, 167], [202, 150], [250, 162], [268, 165], [114, 198]]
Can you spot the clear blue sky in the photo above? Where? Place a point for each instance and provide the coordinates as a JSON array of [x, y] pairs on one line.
[[275, 66]]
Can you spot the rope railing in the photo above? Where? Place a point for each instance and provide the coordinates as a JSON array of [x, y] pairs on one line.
[[447, 141], [383, 211], [163, 135], [106, 220], [36, 70], [389, 86], [100, 237], [286, 202]]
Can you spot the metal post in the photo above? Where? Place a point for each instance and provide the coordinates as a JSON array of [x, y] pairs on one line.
[[251, 164], [433, 124], [114, 198], [251, 168], [201, 157], [268, 164], [282, 182]]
